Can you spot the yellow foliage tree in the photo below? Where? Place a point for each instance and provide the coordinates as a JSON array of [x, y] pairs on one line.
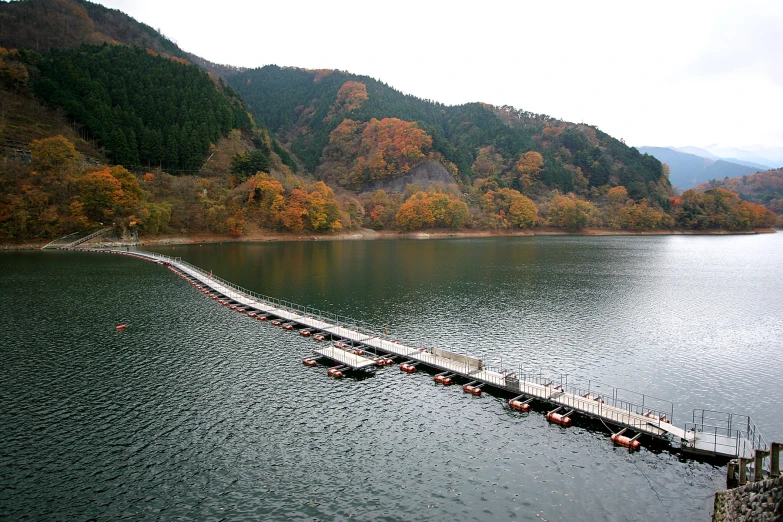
[[529, 167], [571, 213]]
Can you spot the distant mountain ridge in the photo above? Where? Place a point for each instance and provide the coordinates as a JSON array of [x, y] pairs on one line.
[[689, 170], [696, 151], [769, 158]]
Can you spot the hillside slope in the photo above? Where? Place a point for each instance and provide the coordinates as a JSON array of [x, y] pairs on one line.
[[765, 188], [391, 160], [145, 109], [41, 25], [124, 85], [326, 118]]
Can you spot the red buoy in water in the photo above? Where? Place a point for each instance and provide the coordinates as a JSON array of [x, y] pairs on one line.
[[519, 405], [439, 379], [476, 391], [467, 388], [447, 381], [121, 327]]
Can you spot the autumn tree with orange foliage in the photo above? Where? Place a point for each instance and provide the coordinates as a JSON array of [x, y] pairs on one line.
[[509, 208], [351, 96], [380, 209], [390, 146], [375, 151], [312, 208], [266, 194], [101, 194], [432, 210], [640, 216], [719, 208], [571, 213]]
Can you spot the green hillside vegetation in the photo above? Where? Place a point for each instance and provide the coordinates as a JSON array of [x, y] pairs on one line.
[[145, 109]]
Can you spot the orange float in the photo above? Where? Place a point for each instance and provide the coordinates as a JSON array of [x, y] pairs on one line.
[[622, 440], [519, 405], [556, 418]]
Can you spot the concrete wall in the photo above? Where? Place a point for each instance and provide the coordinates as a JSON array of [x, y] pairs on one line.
[[756, 501]]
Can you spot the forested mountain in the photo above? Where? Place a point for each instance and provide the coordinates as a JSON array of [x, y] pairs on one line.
[[689, 170], [41, 25], [136, 93], [313, 110], [188, 158], [765, 188], [145, 109]]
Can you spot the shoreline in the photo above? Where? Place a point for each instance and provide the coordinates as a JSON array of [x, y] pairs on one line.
[[368, 234]]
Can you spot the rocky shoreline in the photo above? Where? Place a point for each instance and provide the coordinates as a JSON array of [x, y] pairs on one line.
[[756, 501]]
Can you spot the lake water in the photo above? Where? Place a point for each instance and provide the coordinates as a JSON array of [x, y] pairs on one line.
[[196, 412]]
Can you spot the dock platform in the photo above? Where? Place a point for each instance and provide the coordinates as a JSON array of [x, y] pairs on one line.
[[353, 361]]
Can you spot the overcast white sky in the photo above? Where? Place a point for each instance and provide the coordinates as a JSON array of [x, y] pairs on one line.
[[653, 73]]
